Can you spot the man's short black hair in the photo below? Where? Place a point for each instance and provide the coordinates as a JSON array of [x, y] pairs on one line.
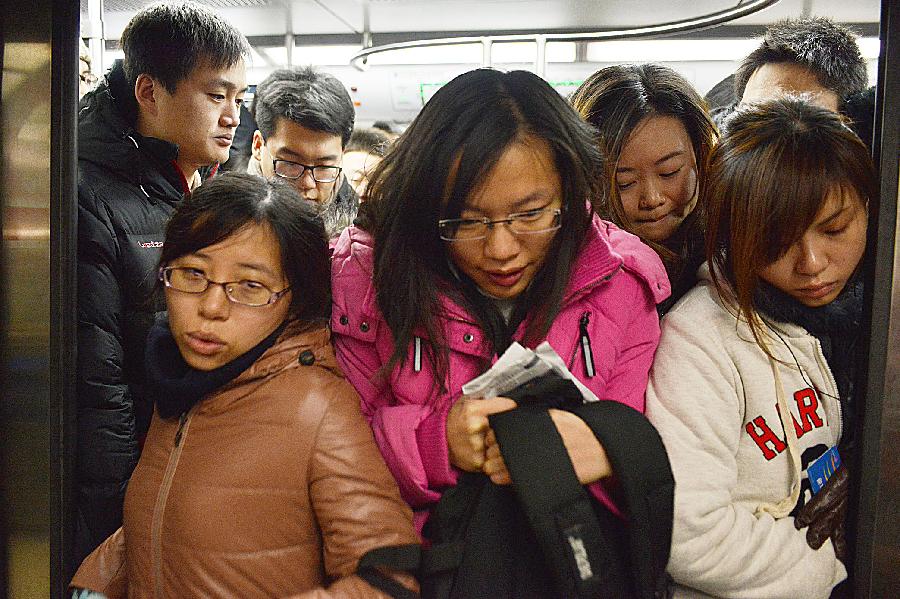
[[371, 140], [311, 98], [168, 41], [384, 126], [820, 45]]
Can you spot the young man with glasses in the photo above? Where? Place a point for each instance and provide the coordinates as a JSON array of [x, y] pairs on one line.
[[304, 119], [145, 134]]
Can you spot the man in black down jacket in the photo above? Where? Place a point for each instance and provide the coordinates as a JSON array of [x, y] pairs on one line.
[[166, 113]]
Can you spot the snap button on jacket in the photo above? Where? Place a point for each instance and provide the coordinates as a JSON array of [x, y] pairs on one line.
[[275, 488]]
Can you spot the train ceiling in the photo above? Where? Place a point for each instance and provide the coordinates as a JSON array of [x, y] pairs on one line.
[[348, 17]]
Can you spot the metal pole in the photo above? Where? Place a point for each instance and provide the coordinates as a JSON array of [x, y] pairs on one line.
[[289, 32], [367, 28], [540, 56], [92, 29]]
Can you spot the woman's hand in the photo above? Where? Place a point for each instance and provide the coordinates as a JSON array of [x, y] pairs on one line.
[[825, 513], [587, 455], [494, 466], [467, 425]]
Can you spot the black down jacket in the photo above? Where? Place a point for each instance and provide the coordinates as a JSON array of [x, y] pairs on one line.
[[128, 186]]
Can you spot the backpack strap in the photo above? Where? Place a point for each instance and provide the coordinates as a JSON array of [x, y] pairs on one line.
[[397, 557], [557, 507], [641, 466]]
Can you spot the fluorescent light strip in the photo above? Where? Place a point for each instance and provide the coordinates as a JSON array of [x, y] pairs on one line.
[[669, 50]]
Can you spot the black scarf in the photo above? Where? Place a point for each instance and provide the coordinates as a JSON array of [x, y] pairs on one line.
[[836, 326], [175, 385], [688, 244]]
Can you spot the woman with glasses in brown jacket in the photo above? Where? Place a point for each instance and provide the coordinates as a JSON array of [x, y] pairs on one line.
[[259, 476]]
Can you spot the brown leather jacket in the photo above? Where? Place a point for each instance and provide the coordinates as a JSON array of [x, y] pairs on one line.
[[270, 487]]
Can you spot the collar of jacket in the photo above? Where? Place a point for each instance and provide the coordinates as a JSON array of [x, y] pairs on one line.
[[338, 214], [176, 385], [785, 329], [107, 137], [298, 337], [300, 345]]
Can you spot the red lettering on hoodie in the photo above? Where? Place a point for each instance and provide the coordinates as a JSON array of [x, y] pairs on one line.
[[808, 406], [762, 435]]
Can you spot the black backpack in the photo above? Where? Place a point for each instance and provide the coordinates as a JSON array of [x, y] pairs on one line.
[[545, 536]]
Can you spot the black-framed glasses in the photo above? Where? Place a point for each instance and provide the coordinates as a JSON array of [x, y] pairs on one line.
[[294, 170], [246, 292], [531, 222]]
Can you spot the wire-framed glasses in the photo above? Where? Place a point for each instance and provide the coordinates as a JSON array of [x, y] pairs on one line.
[[531, 222], [246, 292], [294, 170]]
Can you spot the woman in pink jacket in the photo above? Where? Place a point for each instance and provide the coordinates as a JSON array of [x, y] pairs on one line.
[[479, 231]]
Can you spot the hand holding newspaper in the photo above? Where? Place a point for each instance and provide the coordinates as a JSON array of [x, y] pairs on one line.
[[517, 366]]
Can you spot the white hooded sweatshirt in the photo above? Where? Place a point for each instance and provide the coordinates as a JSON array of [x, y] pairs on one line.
[[713, 396]]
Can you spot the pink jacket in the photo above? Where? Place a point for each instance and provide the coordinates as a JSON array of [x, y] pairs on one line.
[[612, 294]]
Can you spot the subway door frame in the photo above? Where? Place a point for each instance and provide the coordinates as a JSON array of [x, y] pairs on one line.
[[63, 288], [877, 530], [4, 527]]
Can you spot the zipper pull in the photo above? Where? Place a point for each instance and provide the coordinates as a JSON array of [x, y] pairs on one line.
[[181, 422], [586, 345]]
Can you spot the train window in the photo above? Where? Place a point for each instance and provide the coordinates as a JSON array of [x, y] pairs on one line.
[[455, 54], [513, 53]]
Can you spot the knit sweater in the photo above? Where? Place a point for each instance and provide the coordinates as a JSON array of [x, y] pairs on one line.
[[739, 465]]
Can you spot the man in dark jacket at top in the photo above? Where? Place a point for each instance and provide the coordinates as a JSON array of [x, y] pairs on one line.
[[814, 58], [304, 118], [144, 136]]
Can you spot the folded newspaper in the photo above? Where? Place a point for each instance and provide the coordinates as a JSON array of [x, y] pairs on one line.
[[517, 366]]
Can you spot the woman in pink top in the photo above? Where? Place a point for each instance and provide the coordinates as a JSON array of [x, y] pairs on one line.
[[480, 231]]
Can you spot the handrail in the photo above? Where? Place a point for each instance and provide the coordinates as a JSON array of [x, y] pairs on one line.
[[692, 24]]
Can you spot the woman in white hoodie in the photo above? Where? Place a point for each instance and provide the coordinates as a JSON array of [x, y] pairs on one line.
[[752, 381]]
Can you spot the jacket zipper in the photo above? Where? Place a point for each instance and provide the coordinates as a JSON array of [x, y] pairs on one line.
[[161, 498], [417, 354], [823, 364], [584, 341]]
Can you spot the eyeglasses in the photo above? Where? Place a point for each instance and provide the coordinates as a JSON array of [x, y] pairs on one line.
[[294, 170], [531, 222], [246, 293]]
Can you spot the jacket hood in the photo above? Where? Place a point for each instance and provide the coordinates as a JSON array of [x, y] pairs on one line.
[[788, 329], [107, 138], [608, 248]]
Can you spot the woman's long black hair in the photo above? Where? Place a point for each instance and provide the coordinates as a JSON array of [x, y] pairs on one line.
[[439, 161]]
